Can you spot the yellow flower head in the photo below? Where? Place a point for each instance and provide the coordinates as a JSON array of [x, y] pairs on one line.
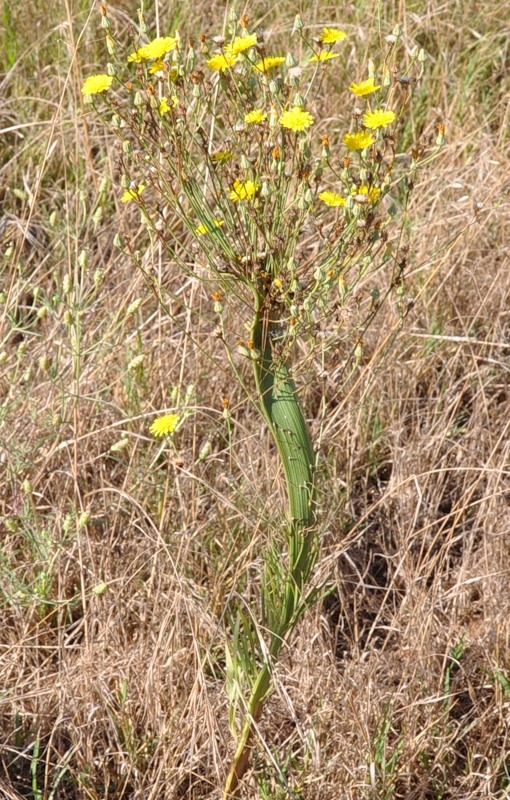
[[155, 49], [269, 63], [378, 119], [158, 66], [331, 35], [240, 44], [242, 191], [332, 199], [96, 83], [221, 62], [358, 141], [164, 426], [296, 119], [255, 116], [363, 88], [208, 228], [163, 107], [324, 55], [372, 192], [222, 155], [132, 194]]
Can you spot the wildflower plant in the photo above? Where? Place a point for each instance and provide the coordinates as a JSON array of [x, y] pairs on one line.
[[284, 220]]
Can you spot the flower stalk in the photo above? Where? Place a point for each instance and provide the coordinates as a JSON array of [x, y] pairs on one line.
[[283, 601]]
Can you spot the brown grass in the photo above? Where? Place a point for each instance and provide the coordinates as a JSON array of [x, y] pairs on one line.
[[397, 685]]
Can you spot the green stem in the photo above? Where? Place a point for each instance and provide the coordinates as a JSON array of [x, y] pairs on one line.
[[279, 405]]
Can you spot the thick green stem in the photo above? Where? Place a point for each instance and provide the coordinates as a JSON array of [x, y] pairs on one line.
[[280, 407]]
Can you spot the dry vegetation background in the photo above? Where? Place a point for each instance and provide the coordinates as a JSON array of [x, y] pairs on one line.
[[112, 638]]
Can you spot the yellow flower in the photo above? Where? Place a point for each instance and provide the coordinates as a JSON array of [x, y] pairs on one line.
[[155, 49], [332, 199], [378, 119], [221, 62], [163, 107], [132, 194], [243, 191], [265, 64], [296, 119], [222, 155], [158, 66], [363, 88], [358, 141], [372, 192], [240, 44], [255, 116], [331, 35], [96, 83], [207, 228], [324, 55], [166, 425]]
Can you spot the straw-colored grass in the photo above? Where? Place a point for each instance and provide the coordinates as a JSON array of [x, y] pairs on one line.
[[117, 563]]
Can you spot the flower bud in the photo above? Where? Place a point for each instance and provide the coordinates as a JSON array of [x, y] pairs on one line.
[[298, 23]]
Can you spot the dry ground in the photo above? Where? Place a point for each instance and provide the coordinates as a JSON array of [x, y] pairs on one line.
[[112, 639]]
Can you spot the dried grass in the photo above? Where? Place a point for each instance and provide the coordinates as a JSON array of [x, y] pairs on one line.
[[112, 643]]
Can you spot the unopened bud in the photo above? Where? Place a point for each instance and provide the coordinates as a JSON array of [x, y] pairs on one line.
[[97, 217], [298, 23], [83, 259], [205, 450]]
